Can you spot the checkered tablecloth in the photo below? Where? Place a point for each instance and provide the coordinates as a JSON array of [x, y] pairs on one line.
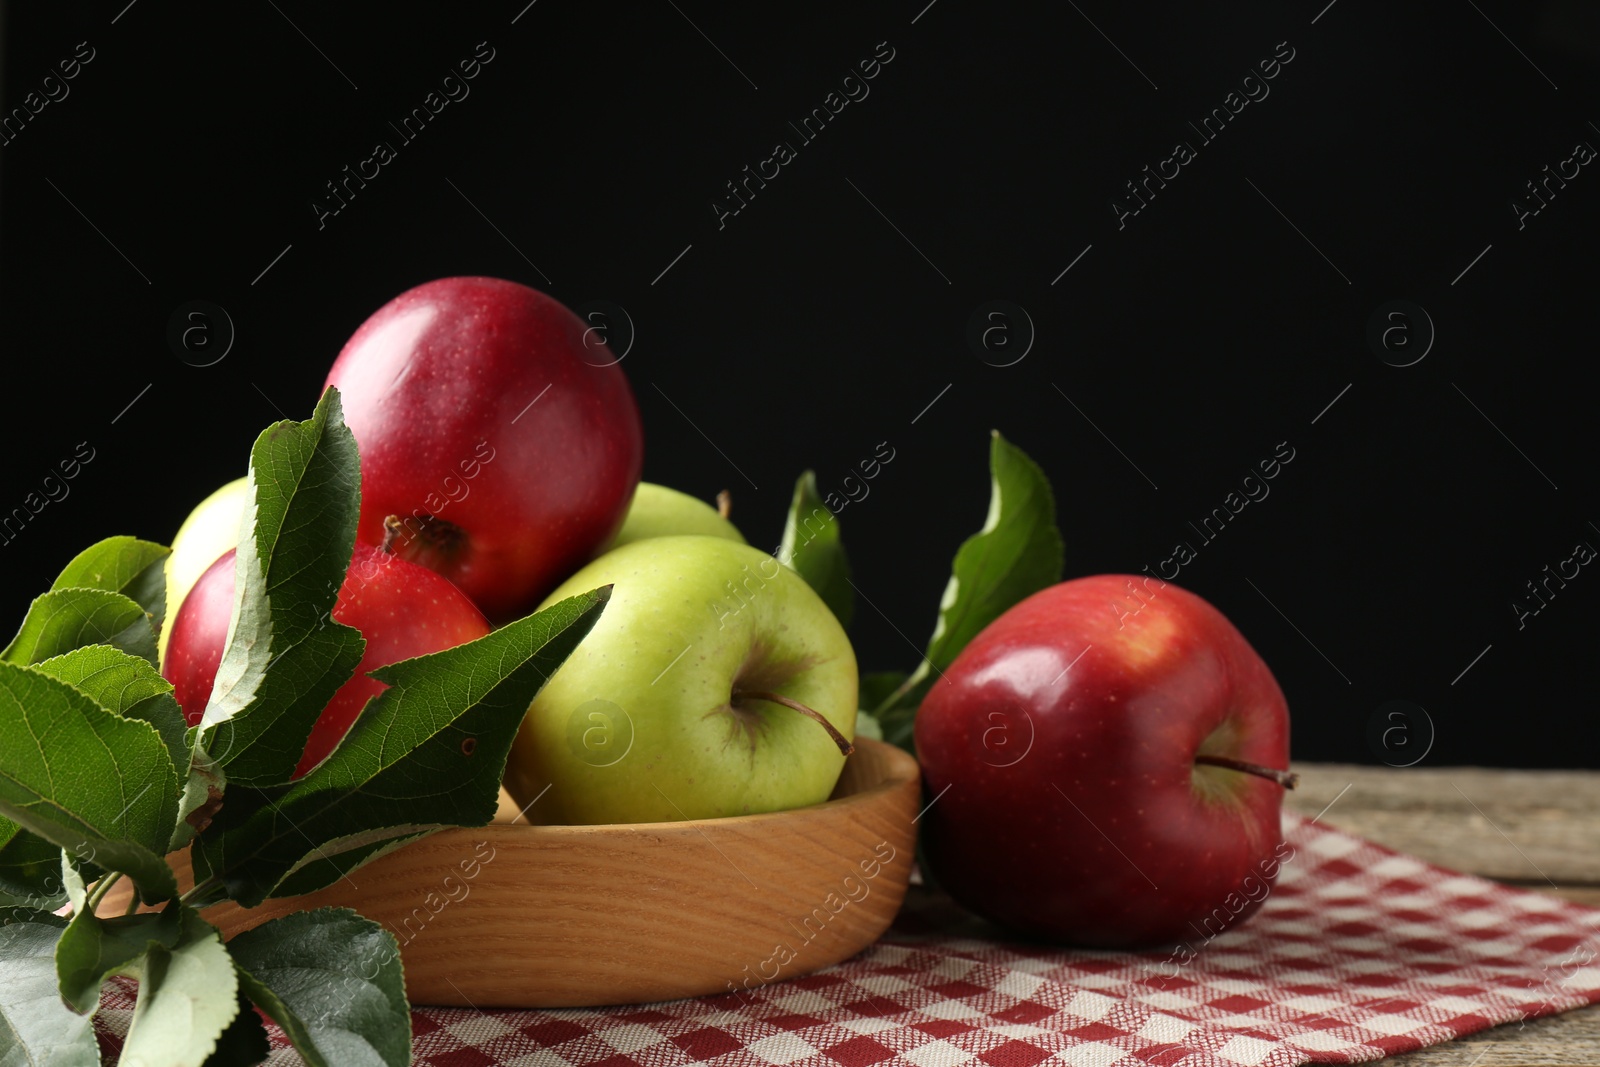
[[1359, 952]]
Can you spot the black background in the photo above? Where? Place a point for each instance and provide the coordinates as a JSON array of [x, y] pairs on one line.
[[1221, 320]]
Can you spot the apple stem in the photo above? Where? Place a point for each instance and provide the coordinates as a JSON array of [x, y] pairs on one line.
[[1287, 779], [724, 503], [391, 533], [778, 698]]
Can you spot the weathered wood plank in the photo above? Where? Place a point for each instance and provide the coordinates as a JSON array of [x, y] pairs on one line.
[[1583, 894], [1571, 1039], [1529, 826]]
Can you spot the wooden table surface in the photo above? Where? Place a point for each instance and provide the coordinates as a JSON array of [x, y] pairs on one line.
[[1539, 830]]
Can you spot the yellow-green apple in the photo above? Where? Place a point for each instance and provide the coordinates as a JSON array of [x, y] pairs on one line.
[[1115, 755], [210, 530], [716, 683], [657, 511], [504, 448], [402, 610]]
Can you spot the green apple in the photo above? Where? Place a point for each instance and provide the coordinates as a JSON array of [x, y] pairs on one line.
[[657, 511], [664, 712], [211, 529]]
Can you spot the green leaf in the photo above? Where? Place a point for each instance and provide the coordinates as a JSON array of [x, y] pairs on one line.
[[30, 870], [93, 949], [94, 783], [428, 752], [244, 1043], [64, 619], [1017, 553], [355, 1013], [123, 565], [73, 880], [113, 592], [36, 1028], [811, 546], [126, 686], [305, 484], [202, 796], [188, 996], [344, 854]]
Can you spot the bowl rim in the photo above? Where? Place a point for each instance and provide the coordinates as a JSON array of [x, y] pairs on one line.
[[900, 767]]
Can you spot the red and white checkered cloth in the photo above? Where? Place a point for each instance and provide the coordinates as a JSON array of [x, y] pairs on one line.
[[1360, 952]]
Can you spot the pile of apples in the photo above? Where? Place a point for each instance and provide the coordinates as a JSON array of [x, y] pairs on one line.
[[501, 450], [1112, 748]]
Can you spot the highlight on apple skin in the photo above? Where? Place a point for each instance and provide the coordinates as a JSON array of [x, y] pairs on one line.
[[488, 426], [1115, 755], [666, 710]]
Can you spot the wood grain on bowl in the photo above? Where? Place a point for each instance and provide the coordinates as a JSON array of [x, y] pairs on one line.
[[511, 915]]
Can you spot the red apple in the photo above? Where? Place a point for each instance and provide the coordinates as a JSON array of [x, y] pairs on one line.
[[402, 610], [498, 428], [1115, 754]]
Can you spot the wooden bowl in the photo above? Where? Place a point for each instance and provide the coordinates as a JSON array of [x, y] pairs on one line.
[[581, 916]]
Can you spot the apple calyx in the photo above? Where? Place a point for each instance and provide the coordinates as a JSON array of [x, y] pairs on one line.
[[724, 503], [427, 538], [1287, 779], [839, 739]]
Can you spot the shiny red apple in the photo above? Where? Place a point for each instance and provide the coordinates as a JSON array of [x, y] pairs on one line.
[[498, 428], [1115, 755], [402, 610]]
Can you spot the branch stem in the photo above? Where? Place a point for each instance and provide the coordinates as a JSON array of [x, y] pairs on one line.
[[902, 689], [201, 889], [101, 888]]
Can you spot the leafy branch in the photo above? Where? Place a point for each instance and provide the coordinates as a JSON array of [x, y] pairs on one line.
[[1017, 552], [98, 778]]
